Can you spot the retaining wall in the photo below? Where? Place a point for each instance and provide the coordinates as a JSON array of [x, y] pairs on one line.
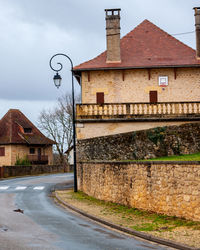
[[171, 188], [144, 144]]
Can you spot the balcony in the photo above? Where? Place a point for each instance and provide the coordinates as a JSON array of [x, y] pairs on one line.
[[138, 111], [38, 159]]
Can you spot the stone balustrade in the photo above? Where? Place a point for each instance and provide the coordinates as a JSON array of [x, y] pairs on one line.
[[133, 110]]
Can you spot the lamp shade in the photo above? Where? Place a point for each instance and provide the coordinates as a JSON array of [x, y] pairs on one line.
[[57, 80]]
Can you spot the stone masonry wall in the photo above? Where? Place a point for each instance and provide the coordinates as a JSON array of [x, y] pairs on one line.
[[144, 144], [12, 171], [6, 160], [12, 152], [21, 151], [133, 85], [171, 188], [96, 129]]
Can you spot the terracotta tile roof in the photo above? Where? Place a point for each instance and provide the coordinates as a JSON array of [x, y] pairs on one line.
[[12, 127], [147, 46]]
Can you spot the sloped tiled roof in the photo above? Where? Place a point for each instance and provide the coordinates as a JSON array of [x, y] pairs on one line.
[[12, 127], [147, 46]]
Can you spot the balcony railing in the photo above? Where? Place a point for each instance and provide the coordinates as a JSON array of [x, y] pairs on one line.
[[38, 159], [137, 110]]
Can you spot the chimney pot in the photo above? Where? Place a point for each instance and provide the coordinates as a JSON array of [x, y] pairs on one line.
[[113, 35], [197, 25]]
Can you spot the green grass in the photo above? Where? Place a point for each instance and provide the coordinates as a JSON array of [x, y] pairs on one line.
[[189, 157], [136, 219], [186, 157]]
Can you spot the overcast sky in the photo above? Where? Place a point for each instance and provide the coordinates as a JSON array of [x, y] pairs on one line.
[[31, 31]]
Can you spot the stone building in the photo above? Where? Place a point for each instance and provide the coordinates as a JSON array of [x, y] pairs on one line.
[[20, 139], [144, 80]]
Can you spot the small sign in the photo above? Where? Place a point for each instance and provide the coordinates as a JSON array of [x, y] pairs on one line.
[[79, 125], [163, 81]]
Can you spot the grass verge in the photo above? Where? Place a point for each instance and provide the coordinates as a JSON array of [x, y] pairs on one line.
[[186, 157], [168, 227], [155, 221], [190, 157]]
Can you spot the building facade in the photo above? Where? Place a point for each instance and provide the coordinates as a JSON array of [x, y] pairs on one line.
[[146, 79], [21, 140]]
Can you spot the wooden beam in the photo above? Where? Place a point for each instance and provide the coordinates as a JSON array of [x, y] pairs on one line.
[[149, 74], [175, 73], [88, 73], [123, 75]]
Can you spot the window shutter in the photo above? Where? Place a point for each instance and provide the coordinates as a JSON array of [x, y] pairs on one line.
[[100, 97], [2, 151], [153, 96]]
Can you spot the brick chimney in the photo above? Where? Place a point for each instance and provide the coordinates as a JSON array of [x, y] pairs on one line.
[[197, 25], [113, 35]]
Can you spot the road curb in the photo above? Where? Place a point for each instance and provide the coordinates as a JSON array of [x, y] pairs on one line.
[[127, 230]]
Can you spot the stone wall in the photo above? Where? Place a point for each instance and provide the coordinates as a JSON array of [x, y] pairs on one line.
[[12, 171], [96, 129], [6, 159], [171, 188], [133, 85], [144, 144], [15, 151]]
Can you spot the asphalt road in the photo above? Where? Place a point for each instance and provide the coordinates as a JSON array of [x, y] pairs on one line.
[[38, 223]]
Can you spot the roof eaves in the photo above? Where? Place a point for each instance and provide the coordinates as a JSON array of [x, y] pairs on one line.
[[12, 143], [141, 67]]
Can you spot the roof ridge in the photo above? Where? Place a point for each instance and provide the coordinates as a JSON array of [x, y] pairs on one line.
[[27, 120], [135, 28], [10, 130], [138, 50], [106, 50], [170, 35]]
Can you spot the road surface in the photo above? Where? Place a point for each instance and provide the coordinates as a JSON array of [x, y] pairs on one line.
[[29, 219]]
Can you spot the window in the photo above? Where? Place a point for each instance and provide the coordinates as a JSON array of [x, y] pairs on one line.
[[27, 130], [2, 151], [32, 151], [100, 97], [153, 96]]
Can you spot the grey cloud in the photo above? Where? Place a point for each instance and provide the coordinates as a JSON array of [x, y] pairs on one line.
[[32, 31]]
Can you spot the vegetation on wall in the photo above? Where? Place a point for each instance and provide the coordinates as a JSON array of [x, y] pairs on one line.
[[144, 144], [22, 161], [156, 135]]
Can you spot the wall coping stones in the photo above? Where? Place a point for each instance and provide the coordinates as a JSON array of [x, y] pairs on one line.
[[140, 119], [143, 162]]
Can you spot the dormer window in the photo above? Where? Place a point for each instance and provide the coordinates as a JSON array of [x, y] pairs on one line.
[[27, 130]]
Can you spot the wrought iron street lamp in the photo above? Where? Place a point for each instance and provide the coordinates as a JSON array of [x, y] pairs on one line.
[[57, 81]]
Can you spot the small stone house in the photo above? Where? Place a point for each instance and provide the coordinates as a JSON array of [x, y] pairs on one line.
[[144, 80], [20, 139]]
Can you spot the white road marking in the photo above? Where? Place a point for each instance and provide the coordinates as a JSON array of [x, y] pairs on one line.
[[20, 188], [4, 187], [39, 188]]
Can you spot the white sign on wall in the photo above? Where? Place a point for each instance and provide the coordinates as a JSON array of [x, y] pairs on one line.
[[163, 81]]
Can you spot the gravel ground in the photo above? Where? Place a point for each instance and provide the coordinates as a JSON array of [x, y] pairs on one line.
[[181, 234]]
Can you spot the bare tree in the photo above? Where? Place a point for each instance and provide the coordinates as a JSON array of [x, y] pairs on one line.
[[57, 124]]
